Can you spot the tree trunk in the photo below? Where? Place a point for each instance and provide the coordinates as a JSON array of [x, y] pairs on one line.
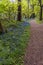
[[1, 28], [28, 8], [19, 10], [40, 10], [41, 13]]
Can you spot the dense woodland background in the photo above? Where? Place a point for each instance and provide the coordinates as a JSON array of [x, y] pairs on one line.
[[19, 10]]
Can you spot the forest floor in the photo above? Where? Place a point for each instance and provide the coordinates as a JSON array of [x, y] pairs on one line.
[[34, 51], [14, 42]]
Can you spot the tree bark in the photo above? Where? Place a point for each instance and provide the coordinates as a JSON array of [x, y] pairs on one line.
[[40, 10], [41, 13], [1, 28], [28, 8], [19, 11]]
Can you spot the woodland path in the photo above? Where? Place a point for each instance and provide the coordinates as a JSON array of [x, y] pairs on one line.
[[34, 51]]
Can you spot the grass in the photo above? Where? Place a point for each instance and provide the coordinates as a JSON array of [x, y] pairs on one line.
[[14, 42]]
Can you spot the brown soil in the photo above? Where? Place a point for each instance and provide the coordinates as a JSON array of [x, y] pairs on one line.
[[34, 51]]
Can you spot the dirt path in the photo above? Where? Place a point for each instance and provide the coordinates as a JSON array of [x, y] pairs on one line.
[[34, 51]]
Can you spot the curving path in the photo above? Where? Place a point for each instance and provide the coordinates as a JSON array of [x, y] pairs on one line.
[[34, 51]]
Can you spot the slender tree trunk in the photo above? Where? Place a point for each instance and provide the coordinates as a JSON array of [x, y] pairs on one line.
[[19, 10], [40, 13], [1, 28], [40, 10], [28, 8]]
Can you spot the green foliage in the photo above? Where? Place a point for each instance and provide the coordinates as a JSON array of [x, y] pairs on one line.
[[13, 43], [9, 10]]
